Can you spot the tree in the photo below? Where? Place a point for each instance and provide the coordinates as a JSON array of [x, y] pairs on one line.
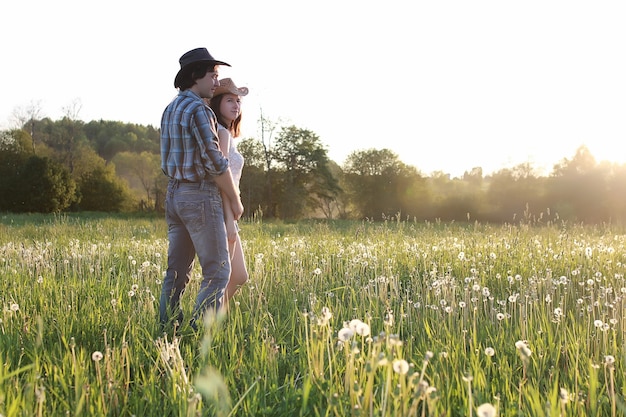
[[101, 190], [26, 118], [516, 194], [141, 171], [267, 130], [578, 188], [253, 178], [44, 186], [380, 185], [305, 177]]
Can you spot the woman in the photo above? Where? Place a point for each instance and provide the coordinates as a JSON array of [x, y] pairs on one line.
[[226, 103]]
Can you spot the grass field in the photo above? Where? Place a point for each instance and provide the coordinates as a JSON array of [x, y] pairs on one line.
[[338, 319]]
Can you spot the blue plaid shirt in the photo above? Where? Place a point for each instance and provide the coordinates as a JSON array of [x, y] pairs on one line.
[[189, 143]]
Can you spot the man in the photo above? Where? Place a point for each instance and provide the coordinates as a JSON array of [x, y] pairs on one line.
[[198, 171]]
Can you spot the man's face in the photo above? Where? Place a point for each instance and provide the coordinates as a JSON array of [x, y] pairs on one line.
[[205, 86]]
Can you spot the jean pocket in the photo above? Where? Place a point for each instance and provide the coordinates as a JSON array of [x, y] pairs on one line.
[[192, 214]]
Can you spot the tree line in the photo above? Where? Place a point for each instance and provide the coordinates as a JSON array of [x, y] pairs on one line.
[[69, 165]]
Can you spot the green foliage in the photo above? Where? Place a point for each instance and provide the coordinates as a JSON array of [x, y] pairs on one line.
[[303, 174], [291, 178], [339, 318], [33, 184], [101, 190]]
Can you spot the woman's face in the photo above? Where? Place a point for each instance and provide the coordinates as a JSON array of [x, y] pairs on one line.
[[230, 107]]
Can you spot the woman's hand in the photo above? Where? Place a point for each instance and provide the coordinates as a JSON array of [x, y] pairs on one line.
[[231, 234]]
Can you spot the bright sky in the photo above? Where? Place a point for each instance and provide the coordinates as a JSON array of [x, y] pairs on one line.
[[446, 85]]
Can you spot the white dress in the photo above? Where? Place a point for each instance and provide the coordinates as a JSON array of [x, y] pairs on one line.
[[234, 157]]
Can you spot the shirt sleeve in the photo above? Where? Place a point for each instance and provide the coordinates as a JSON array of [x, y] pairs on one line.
[[205, 131]]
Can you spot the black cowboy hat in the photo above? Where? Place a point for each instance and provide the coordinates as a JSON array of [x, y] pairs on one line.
[[191, 57]]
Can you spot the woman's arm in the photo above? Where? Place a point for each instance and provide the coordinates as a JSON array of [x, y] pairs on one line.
[[229, 218]]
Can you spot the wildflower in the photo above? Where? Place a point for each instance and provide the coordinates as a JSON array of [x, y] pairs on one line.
[[598, 323], [134, 287], [96, 356], [389, 318], [345, 334], [462, 304], [486, 410], [558, 312], [564, 395], [400, 366], [394, 340], [40, 280], [500, 316], [609, 360], [489, 351], [326, 316], [317, 271], [360, 328], [461, 256], [15, 307], [523, 349]]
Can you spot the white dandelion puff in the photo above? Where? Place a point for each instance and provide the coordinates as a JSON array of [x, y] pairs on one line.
[[345, 334], [400, 366], [486, 410]]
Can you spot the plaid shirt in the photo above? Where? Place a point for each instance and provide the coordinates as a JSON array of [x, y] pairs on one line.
[[189, 143]]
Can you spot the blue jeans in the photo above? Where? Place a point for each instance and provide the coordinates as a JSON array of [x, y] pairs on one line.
[[195, 220]]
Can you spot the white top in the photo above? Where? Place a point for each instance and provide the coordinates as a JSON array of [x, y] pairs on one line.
[[234, 157]]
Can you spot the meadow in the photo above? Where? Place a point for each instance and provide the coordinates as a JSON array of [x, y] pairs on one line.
[[394, 318]]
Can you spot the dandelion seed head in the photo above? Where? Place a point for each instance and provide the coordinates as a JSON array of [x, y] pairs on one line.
[[96, 356], [500, 316], [400, 366], [598, 323], [563, 395], [345, 334], [15, 307], [609, 360], [489, 351], [486, 410]]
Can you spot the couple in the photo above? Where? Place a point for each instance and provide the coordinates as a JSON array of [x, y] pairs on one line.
[[202, 203]]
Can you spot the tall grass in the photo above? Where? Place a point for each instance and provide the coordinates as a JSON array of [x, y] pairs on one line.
[[338, 319]]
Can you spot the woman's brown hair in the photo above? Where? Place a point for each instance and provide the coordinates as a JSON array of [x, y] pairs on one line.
[[234, 127]]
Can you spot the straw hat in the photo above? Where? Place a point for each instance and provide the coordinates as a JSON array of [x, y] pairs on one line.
[[228, 86], [191, 57]]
